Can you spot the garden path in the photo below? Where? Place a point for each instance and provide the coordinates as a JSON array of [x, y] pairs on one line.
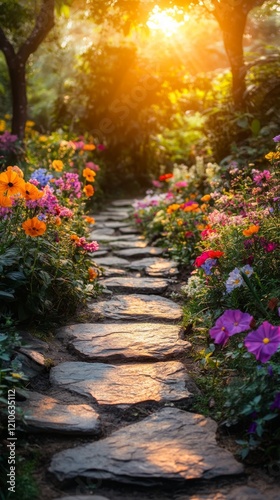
[[129, 359]]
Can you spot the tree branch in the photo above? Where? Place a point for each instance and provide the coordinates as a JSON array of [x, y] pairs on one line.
[[44, 23], [6, 46]]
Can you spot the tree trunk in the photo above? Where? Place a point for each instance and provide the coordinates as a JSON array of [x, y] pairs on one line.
[[19, 96], [232, 24]]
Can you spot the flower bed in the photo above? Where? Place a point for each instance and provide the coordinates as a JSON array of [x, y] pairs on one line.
[[223, 224]]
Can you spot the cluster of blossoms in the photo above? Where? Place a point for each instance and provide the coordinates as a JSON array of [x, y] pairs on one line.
[[7, 140], [262, 342], [42, 176], [235, 279], [82, 243], [69, 185]]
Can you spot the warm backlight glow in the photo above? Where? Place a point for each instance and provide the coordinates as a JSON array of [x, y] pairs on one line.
[[165, 20]]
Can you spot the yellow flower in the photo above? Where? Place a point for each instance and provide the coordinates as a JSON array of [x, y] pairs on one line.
[[34, 227], [180, 222], [206, 198], [273, 156], [5, 201], [57, 165], [7, 116], [43, 138], [30, 123], [89, 147], [16, 375], [32, 192], [200, 227], [11, 183], [88, 190], [251, 230], [2, 125], [16, 169], [89, 174]]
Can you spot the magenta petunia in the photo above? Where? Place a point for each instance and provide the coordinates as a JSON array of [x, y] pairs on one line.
[[264, 341], [236, 321], [231, 322]]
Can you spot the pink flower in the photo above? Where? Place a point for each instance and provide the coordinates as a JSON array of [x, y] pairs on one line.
[[180, 184], [92, 166], [157, 184], [264, 341]]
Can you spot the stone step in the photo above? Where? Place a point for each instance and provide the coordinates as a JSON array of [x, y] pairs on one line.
[[122, 203], [107, 238], [129, 230], [135, 285], [169, 445], [128, 244], [125, 385], [155, 266], [111, 260], [46, 414], [137, 307], [130, 253], [124, 342]]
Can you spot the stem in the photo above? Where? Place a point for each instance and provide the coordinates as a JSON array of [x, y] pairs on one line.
[[254, 293]]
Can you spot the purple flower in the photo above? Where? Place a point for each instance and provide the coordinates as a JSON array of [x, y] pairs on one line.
[[263, 342], [276, 403], [231, 322], [276, 138], [252, 428], [207, 266]]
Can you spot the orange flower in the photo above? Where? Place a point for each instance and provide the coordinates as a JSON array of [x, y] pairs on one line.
[[206, 198], [172, 208], [11, 183], [74, 237], [92, 273], [89, 220], [89, 147], [16, 169], [32, 192], [251, 230], [58, 221], [88, 190], [89, 174], [5, 201], [191, 208], [34, 227], [57, 165]]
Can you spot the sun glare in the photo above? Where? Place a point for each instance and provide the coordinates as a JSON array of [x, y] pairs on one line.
[[165, 21]]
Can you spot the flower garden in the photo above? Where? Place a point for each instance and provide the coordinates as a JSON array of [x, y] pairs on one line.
[[222, 225]]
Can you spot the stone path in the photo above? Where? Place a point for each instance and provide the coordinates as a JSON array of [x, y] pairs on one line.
[[130, 356]]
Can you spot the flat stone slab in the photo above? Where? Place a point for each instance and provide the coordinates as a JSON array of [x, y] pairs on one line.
[[124, 385], [45, 414], [129, 230], [112, 271], [128, 244], [110, 261], [141, 264], [138, 307], [138, 252], [122, 203], [162, 267], [106, 238], [135, 285], [124, 342], [115, 224], [169, 445], [100, 253]]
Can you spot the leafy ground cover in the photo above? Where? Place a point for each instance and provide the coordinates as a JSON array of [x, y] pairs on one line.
[[222, 224]]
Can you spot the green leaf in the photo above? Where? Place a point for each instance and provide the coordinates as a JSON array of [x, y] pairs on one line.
[[255, 127]]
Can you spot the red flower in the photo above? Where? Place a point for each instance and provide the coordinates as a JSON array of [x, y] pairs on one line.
[[208, 254], [165, 177]]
